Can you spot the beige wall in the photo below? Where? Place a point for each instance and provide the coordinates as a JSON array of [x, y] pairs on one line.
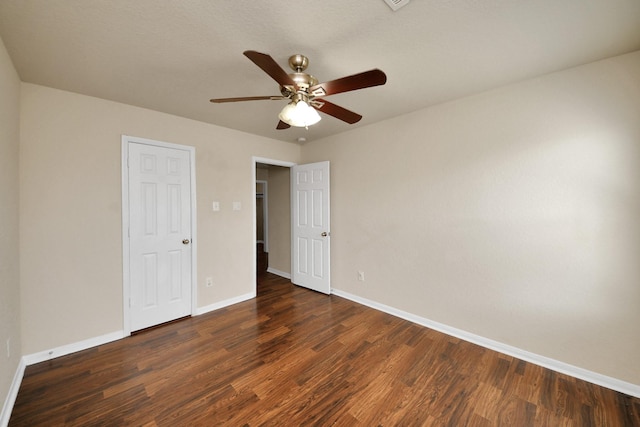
[[70, 177], [9, 237], [512, 214], [279, 218]]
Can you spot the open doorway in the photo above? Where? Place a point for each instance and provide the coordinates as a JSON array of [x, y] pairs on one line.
[[273, 217], [298, 232]]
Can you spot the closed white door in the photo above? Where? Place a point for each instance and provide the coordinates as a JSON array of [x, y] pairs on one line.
[[160, 235], [310, 226]]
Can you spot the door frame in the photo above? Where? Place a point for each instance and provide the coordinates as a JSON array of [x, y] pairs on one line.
[[126, 285], [254, 161]]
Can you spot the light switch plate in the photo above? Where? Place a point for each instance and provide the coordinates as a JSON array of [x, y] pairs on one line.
[[216, 206], [236, 206]]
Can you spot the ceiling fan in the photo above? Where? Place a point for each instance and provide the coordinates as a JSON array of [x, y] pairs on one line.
[[305, 93]]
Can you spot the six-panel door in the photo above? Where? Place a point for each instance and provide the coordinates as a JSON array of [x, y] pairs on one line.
[[160, 234]]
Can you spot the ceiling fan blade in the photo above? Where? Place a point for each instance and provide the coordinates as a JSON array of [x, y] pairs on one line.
[[336, 111], [246, 98], [271, 67], [282, 125], [357, 81]]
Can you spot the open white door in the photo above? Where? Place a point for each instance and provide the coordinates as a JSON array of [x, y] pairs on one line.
[[160, 234], [310, 226]]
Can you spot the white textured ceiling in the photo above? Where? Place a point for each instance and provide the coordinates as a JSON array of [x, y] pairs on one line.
[[174, 55]]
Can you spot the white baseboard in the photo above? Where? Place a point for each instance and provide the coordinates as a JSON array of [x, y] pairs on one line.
[[555, 365], [536, 359], [12, 395], [42, 356], [225, 303], [279, 273], [64, 350]]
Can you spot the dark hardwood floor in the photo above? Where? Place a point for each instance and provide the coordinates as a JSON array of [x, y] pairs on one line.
[[295, 357]]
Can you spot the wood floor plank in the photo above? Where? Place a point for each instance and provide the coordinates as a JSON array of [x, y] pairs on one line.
[[296, 357]]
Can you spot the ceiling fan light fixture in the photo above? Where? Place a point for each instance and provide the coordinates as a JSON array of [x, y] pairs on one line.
[[305, 94], [299, 114]]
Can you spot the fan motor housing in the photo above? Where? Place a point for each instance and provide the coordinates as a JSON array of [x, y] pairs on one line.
[[304, 80], [298, 64]]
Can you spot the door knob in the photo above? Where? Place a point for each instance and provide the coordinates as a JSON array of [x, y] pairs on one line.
[[324, 234], [186, 241]]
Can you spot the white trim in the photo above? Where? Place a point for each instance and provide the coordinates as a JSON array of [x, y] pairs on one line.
[[64, 350], [555, 365], [536, 359], [272, 162], [279, 273], [225, 303], [10, 400], [43, 356], [125, 223]]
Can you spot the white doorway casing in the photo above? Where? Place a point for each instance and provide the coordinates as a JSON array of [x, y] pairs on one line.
[[271, 162], [322, 284], [174, 250]]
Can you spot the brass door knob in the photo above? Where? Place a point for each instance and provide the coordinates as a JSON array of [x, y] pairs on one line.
[[186, 241]]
